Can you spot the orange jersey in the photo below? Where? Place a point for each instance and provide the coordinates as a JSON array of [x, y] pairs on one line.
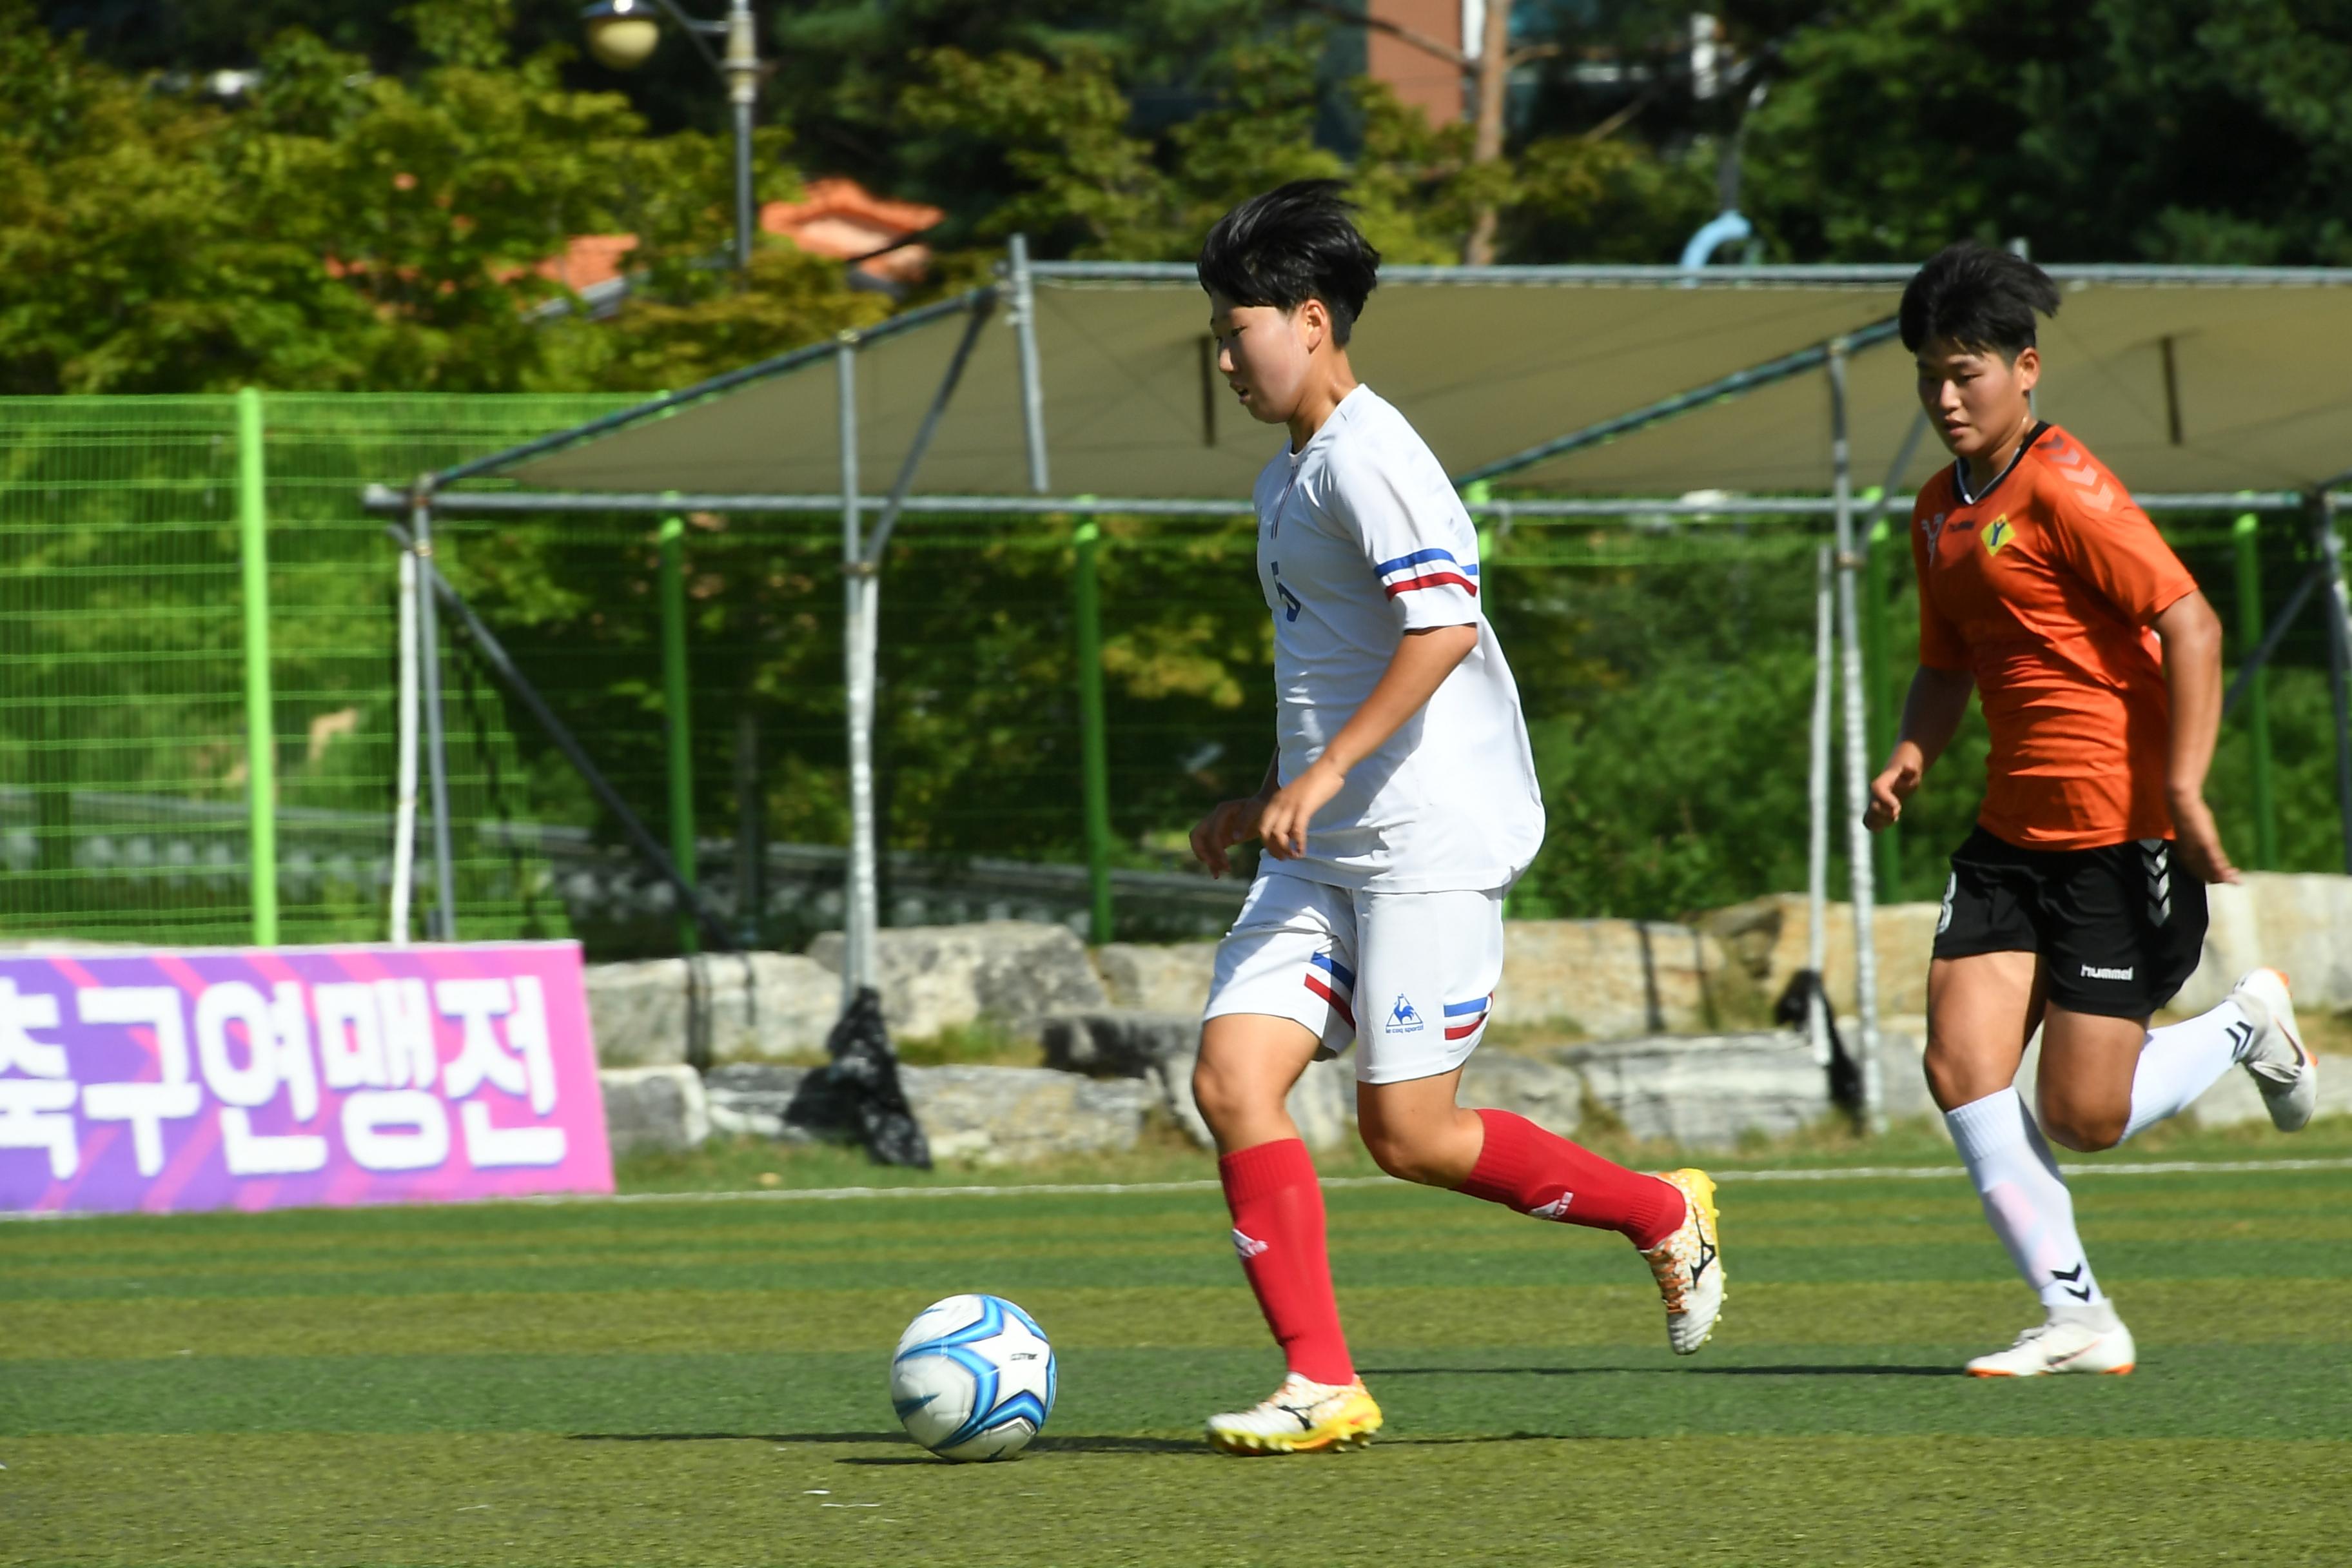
[[2043, 588]]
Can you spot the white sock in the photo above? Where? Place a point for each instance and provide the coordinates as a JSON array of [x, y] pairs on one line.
[[2025, 1199], [2181, 1061]]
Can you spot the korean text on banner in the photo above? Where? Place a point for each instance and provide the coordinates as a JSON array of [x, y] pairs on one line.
[[277, 1077]]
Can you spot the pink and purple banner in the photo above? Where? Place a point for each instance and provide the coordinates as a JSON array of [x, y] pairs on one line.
[[282, 1077]]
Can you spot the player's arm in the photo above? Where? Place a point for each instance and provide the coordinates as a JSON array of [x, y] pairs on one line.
[[2192, 669], [1425, 656], [1233, 822], [1939, 698], [1932, 712]]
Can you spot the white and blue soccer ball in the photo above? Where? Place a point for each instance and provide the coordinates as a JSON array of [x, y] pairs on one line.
[[973, 1378]]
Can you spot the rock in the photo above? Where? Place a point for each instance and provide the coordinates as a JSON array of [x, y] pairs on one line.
[[1611, 978], [790, 1104], [760, 1004], [654, 1108], [1118, 1042], [1704, 1091], [999, 1116], [994, 1116], [2299, 922], [1172, 978], [937, 978], [1767, 938], [1546, 1093]]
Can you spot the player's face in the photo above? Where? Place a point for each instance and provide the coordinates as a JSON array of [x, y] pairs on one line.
[[1263, 353], [1977, 397]]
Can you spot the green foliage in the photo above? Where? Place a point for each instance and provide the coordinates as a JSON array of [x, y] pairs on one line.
[[2186, 130], [348, 230], [1087, 179]]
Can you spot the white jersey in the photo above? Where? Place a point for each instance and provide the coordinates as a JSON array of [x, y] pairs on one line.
[[1360, 538]]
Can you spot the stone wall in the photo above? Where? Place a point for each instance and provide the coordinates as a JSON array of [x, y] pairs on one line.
[[1605, 979], [990, 1116], [1766, 938], [1160, 1049], [2300, 922], [936, 978], [760, 1004], [1119, 1027]]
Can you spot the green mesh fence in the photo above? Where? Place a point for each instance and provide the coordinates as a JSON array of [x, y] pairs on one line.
[[1666, 668], [123, 759]]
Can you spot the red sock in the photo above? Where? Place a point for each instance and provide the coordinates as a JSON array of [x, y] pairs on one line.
[[1277, 1210], [1537, 1172]]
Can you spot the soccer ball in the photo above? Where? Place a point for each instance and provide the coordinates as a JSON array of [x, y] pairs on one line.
[[972, 1378]]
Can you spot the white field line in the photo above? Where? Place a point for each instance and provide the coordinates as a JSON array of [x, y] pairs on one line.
[[1115, 1189], [1108, 1189]]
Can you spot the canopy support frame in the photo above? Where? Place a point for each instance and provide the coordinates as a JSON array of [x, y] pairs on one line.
[[1859, 867]]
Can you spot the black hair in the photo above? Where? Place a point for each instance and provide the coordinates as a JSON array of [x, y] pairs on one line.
[[1979, 298], [1293, 244]]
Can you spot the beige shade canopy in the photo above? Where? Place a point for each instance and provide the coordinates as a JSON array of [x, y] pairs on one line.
[[2182, 381]]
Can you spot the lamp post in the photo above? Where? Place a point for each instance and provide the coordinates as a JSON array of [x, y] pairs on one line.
[[622, 33]]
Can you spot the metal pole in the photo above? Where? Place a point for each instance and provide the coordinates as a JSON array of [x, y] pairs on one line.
[[677, 710], [2339, 655], [404, 799], [260, 728], [2247, 534], [1879, 704], [1033, 386], [859, 603], [1817, 774], [1857, 782], [741, 69], [443, 926], [1093, 731]]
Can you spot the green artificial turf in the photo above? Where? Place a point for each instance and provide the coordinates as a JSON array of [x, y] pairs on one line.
[[692, 1381]]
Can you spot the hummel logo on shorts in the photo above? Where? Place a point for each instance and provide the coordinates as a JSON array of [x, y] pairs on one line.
[[2091, 974]]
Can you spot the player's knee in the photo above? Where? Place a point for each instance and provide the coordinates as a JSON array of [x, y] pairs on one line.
[[2085, 1130], [1227, 1099], [1403, 1156]]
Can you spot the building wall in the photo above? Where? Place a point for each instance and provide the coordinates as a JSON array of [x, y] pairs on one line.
[[1418, 78]]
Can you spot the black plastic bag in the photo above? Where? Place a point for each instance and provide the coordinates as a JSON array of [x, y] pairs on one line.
[[1845, 1073], [865, 1070]]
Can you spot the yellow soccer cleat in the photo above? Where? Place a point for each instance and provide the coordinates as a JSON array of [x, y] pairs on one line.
[[1689, 1266], [1302, 1416]]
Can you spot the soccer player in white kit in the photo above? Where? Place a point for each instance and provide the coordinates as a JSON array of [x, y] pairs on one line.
[[1400, 805]]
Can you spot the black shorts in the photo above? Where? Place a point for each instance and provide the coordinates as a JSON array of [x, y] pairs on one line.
[[2119, 927]]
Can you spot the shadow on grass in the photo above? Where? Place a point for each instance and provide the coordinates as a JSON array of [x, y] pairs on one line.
[[1077, 1445], [1043, 1445], [1847, 1371]]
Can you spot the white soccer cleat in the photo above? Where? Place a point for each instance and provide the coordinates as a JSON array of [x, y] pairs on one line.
[[2276, 1059], [1689, 1266], [2074, 1339], [1302, 1416]]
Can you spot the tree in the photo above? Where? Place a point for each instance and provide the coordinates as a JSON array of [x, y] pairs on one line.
[[347, 231], [2180, 131]]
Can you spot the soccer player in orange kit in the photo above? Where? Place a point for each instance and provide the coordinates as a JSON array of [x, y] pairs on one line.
[[2077, 906]]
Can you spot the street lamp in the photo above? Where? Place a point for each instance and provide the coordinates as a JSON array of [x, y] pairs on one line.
[[622, 33]]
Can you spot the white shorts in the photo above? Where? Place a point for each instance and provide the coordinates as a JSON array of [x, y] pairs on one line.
[[1410, 976]]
